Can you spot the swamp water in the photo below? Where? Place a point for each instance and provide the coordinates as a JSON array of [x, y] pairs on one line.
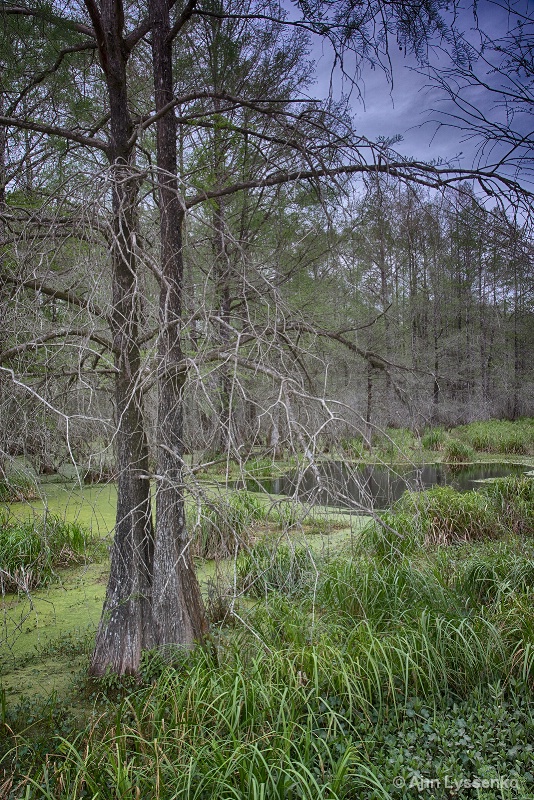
[[377, 487], [70, 608]]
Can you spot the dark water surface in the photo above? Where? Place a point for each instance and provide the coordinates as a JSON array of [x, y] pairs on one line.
[[377, 486]]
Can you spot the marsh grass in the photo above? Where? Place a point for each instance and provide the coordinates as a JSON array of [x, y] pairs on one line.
[[513, 501], [31, 552], [17, 487], [499, 436], [288, 568], [443, 516], [221, 527], [396, 444], [346, 675], [400, 670], [434, 439], [457, 452]]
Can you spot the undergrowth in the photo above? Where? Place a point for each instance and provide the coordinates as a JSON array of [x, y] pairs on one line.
[[32, 551], [444, 516], [499, 436], [360, 676], [16, 488], [221, 527]]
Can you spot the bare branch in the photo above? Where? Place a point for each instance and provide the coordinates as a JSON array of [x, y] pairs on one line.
[[62, 333], [53, 130]]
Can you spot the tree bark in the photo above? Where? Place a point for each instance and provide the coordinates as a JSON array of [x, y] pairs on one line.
[[179, 617], [126, 626]]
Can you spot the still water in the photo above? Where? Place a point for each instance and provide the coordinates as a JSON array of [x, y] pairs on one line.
[[377, 486]]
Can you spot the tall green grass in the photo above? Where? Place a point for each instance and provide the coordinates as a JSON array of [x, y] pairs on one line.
[[270, 566], [396, 444], [221, 527], [434, 439], [499, 436], [31, 552], [346, 676], [442, 516], [312, 698], [457, 452]]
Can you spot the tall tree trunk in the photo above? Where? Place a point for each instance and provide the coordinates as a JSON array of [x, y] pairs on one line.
[[3, 183], [179, 616], [222, 273], [126, 626]]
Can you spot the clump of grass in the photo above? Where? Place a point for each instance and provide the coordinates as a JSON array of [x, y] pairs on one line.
[[393, 534], [499, 436], [16, 488], [443, 516], [396, 443], [270, 566], [225, 526], [434, 439], [494, 572], [31, 552], [457, 452], [435, 517], [513, 499]]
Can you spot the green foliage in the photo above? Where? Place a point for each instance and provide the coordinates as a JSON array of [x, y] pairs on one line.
[[499, 436], [396, 443], [16, 488], [225, 526], [30, 552], [393, 534], [457, 452], [374, 674], [270, 566], [444, 516], [434, 439], [513, 499]]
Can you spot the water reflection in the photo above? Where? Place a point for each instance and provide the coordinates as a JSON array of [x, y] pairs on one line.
[[374, 486]]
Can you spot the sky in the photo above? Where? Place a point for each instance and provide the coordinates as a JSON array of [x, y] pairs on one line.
[[409, 107]]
